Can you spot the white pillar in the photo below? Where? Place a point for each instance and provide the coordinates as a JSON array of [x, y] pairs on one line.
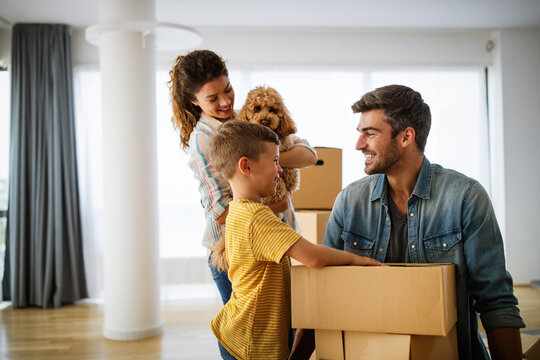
[[131, 254]]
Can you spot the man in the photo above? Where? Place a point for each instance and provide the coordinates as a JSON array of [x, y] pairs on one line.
[[411, 211]]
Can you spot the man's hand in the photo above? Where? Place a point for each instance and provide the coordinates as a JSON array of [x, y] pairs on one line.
[[304, 344], [505, 344]]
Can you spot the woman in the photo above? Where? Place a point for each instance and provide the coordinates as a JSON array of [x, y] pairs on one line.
[[203, 98]]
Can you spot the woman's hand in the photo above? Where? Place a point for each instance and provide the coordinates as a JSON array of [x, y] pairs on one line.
[[281, 205], [221, 219]]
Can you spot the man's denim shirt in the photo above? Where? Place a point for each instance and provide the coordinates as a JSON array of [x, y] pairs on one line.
[[450, 220]]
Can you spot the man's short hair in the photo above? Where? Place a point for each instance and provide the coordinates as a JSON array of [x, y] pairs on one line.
[[236, 139], [403, 107]]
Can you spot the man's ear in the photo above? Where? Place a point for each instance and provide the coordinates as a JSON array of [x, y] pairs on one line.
[[243, 166], [408, 137]]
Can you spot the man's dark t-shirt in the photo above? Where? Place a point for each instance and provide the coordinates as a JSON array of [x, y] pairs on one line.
[[398, 244]]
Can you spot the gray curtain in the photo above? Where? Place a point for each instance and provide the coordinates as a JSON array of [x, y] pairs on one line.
[[44, 258]]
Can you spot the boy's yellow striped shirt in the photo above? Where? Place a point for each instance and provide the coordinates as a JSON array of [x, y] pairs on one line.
[[255, 323]]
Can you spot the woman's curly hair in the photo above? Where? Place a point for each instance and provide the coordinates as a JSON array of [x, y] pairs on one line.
[[188, 75]]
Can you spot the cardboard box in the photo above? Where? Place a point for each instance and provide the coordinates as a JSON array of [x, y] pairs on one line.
[[352, 345], [313, 226], [321, 183], [375, 346], [329, 345], [530, 345], [393, 298]]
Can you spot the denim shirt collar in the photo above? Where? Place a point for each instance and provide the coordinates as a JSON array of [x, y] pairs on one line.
[[422, 188]]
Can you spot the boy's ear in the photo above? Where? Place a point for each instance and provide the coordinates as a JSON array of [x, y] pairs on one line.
[[243, 166]]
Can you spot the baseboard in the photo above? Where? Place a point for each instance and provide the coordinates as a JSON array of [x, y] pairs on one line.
[[115, 334]]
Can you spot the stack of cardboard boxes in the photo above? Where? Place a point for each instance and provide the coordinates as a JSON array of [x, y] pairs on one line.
[[319, 186], [387, 312], [393, 311]]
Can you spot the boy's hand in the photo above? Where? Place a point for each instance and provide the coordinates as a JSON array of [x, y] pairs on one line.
[[361, 260]]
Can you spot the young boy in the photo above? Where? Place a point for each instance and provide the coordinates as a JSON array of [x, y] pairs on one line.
[[255, 323]]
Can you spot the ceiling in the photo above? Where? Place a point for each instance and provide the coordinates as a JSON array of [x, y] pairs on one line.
[[359, 14]]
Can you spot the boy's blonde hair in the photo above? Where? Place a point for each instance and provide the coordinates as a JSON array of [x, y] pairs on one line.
[[236, 139], [231, 141]]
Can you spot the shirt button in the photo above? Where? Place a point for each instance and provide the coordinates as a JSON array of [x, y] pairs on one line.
[[444, 245], [387, 219], [412, 214], [381, 250], [412, 246], [355, 243]]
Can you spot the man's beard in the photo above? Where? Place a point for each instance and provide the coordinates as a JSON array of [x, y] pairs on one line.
[[385, 160]]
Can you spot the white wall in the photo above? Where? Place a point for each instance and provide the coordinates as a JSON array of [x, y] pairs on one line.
[[351, 48], [516, 121]]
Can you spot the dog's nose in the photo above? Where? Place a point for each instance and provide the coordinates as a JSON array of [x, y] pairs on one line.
[[265, 122]]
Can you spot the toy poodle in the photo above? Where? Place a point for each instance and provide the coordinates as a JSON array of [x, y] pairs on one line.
[[265, 106]]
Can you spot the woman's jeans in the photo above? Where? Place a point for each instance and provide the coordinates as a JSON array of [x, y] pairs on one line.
[[223, 283]]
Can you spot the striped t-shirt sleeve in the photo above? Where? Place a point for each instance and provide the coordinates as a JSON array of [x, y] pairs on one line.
[[271, 238]]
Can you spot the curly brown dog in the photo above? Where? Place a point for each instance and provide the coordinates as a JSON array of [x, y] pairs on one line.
[[265, 106]]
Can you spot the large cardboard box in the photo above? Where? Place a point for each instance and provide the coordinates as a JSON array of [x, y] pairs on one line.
[[392, 298], [352, 345], [313, 226], [321, 183]]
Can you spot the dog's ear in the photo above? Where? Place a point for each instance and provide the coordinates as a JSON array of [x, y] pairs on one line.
[[246, 112], [241, 115], [247, 109], [286, 125]]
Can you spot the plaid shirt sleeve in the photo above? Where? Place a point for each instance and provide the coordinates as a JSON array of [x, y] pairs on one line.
[[214, 189]]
